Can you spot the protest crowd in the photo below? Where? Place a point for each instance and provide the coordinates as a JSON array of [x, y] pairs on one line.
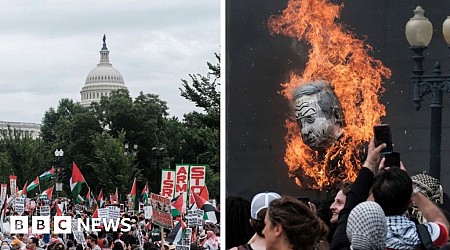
[[146, 221], [384, 208]]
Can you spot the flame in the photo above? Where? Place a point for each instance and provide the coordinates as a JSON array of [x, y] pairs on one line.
[[336, 56]]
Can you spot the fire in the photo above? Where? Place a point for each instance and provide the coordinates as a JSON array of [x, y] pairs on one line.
[[336, 56]]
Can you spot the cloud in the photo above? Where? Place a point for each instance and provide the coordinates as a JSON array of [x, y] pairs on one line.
[[47, 48]]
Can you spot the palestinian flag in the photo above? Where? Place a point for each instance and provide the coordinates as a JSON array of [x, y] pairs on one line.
[[3, 213], [24, 190], [32, 185], [210, 211], [47, 174], [177, 232], [76, 180], [100, 199], [48, 192], [144, 194], [177, 205], [204, 193], [133, 193], [114, 199], [58, 210], [88, 199]]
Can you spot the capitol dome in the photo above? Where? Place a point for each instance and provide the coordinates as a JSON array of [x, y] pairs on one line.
[[102, 80]]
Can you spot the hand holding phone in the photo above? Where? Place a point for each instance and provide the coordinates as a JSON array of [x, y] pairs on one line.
[[392, 160], [382, 134]]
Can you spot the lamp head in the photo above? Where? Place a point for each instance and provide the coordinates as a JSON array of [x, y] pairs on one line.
[[419, 29]]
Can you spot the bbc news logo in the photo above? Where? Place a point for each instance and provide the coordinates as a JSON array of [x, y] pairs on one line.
[[65, 224]]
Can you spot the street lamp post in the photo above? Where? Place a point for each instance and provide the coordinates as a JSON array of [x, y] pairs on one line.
[[158, 156], [419, 31], [59, 153], [130, 149]]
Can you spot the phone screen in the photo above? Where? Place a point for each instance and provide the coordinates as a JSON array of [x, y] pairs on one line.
[[392, 159], [383, 135], [303, 199]]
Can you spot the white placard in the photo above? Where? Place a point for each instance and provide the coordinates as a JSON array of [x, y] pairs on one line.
[[113, 212], [148, 212], [45, 211]]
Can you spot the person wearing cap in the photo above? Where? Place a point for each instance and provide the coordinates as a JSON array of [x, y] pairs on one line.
[[258, 209], [290, 225]]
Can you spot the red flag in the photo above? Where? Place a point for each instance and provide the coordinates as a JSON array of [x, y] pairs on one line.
[[100, 198], [95, 215], [116, 197], [204, 193]]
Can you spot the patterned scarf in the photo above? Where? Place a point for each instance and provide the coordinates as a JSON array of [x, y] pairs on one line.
[[402, 233], [431, 188]]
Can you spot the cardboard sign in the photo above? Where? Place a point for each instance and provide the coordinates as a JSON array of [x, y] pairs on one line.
[[78, 235], [45, 211], [161, 211], [195, 217], [167, 183], [113, 212], [185, 241], [181, 183], [148, 212], [19, 205], [197, 175]]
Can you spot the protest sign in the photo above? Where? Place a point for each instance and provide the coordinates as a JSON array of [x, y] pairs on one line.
[[78, 235], [161, 211], [181, 183], [19, 205], [113, 212], [194, 217], [103, 213], [148, 212], [197, 175], [185, 241], [45, 211], [167, 183]]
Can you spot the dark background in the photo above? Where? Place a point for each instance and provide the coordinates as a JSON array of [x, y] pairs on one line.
[[256, 64]]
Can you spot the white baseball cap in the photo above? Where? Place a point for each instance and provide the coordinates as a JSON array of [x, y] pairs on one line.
[[261, 201]]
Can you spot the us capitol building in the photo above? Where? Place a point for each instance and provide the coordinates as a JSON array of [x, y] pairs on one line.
[[101, 81]]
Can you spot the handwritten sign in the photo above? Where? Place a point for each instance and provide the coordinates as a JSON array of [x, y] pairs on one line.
[[45, 211], [161, 211]]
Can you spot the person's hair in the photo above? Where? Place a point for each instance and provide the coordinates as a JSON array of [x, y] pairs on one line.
[[392, 189], [238, 230], [118, 246], [328, 101], [258, 224], [79, 247], [344, 186], [35, 241], [302, 228]]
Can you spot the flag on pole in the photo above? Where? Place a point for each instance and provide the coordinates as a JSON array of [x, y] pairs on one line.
[[3, 213], [133, 193], [210, 211], [177, 232], [48, 192], [47, 174], [177, 205], [204, 193], [144, 194], [76, 181], [88, 199], [100, 199], [33, 184], [115, 198], [58, 210], [24, 190]]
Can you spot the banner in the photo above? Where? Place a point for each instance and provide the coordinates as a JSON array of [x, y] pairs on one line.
[[3, 191], [181, 183], [167, 183], [197, 176], [161, 211], [13, 185]]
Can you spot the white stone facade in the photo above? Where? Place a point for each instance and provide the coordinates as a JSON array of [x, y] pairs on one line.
[[22, 128], [102, 80]]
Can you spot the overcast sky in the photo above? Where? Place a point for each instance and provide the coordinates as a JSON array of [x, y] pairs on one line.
[[48, 47]]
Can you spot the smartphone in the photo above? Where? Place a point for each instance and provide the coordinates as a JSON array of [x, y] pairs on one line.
[[382, 134], [392, 159], [303, 199]]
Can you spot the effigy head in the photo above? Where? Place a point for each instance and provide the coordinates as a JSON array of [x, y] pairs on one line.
[[319, 114]]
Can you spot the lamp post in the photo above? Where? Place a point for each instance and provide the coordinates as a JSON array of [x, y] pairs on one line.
[[419, 31], [158, 156], [59, 153], [130, 149]]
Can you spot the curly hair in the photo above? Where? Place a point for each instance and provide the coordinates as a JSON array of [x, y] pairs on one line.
[[302, 228]]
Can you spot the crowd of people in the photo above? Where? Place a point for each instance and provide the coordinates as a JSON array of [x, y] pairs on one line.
[[384, 208], [143, 234]]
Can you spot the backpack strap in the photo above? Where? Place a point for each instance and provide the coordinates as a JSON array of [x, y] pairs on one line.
[[424, 236]]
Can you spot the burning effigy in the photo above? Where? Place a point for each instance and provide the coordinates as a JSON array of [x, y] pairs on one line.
[[335, 99]]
